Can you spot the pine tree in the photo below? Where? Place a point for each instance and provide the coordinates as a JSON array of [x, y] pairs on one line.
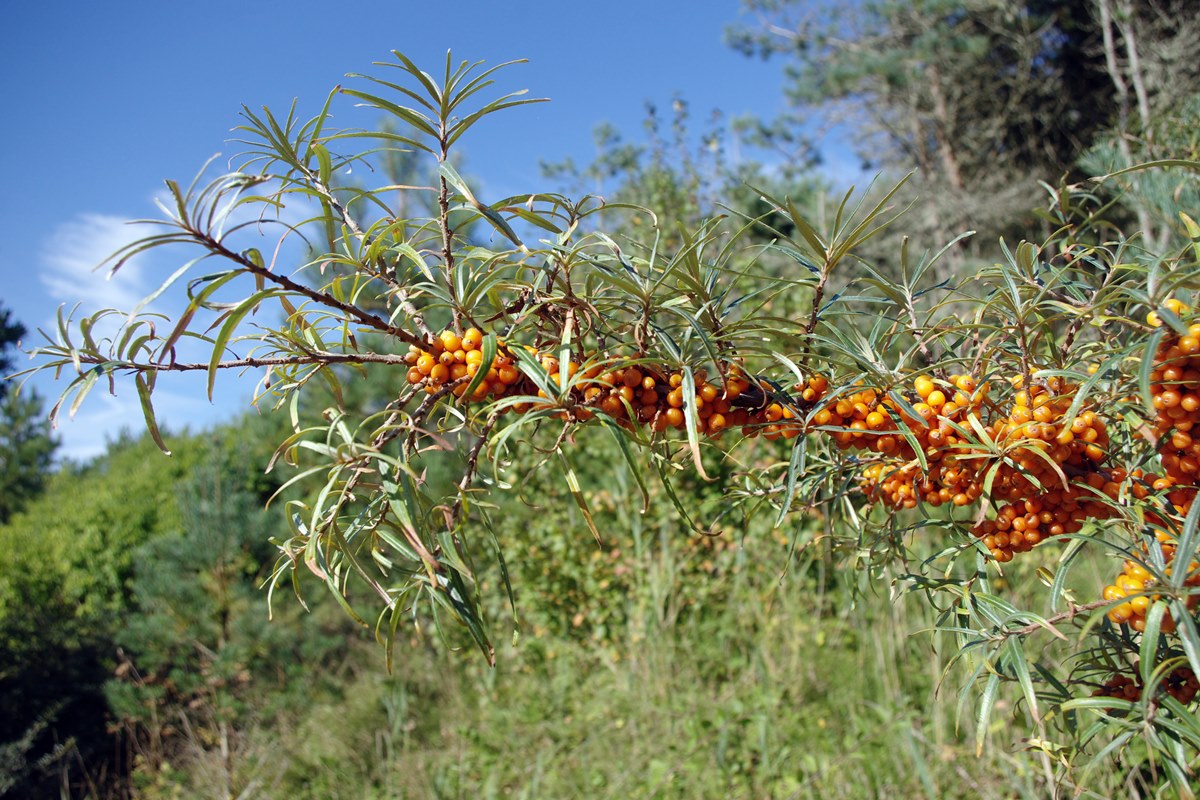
[[979, 98], [26, 447]]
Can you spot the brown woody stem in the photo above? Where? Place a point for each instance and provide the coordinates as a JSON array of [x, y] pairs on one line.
[[352, 311]]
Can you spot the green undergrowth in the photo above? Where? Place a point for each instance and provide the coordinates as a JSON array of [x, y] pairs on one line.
[[783, 702]]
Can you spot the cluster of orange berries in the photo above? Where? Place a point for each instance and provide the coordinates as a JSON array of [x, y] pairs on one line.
[[933, 421], [656, 397], [1132, 586], [1044, 447], [1175, 393], [1051, 478], [955, 467], [1182, 684], [455, 359], [1020, 525], [648, 393]]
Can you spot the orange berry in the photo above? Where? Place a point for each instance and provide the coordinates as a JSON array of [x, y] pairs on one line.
[[472, 339]]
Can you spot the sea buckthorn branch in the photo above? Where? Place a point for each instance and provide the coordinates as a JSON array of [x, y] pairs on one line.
[[350, 311], [398, 292], [311, 358], [1048, 624], [1032, 421], [447, 236], [593, 338]]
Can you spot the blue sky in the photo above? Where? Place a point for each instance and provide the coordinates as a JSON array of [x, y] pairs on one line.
[[105, 100]]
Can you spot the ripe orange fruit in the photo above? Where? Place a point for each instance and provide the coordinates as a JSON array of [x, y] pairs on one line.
[[472, 339]]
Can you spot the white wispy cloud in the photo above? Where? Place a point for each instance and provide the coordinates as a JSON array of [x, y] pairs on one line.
[[72, 252], [67, 272]]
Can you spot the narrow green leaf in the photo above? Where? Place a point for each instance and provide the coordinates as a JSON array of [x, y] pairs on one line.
[[807, 231], [227, 330], [1185, 549], [577, 494], [489, 358], [143, 389], [635, 469], [986, 702], [1188, 636], [692, 419], [466, 607], [795, 465], [409, 116], [1020, 667], [1147, 367], [1148, 651], [1193, 231], [85, 386], [1166, 162]]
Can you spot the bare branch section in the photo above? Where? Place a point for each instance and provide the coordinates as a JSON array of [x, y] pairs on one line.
[[1049, 623]]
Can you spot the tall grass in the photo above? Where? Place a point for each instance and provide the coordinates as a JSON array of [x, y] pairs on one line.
[[784, 690], [663, 664]]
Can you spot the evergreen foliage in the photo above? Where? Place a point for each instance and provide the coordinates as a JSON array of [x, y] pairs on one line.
[[26, 447]]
